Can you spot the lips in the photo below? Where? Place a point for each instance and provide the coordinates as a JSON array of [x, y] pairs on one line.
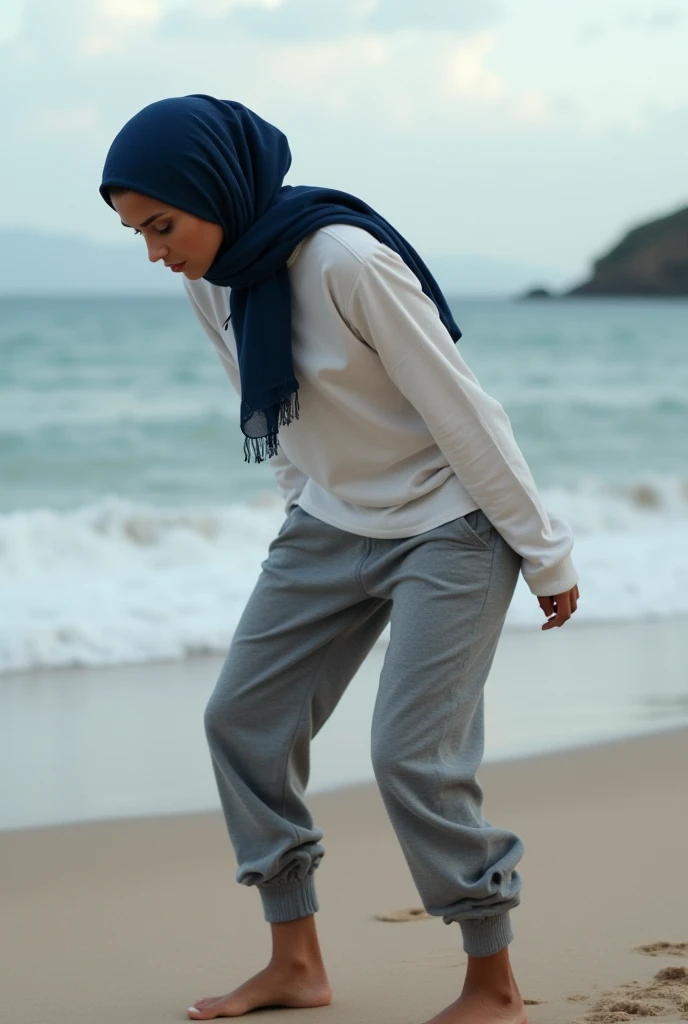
[[176, 267]]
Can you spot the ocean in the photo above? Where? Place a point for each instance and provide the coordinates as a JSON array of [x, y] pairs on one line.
[[131, 530]]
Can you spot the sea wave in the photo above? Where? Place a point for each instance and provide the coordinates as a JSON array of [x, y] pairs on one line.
[[123, 582], [23, 411], [26, 409]]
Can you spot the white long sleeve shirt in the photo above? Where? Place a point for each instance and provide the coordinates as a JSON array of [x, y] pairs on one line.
[[395, 434]]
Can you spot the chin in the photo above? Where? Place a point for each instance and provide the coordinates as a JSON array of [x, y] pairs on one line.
[[192, 274]]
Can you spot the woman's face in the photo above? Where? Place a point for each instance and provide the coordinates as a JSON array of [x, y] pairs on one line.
[[185, 243]]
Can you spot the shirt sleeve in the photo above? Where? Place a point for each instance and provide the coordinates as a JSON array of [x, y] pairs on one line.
[[390, 312], [290, 480]]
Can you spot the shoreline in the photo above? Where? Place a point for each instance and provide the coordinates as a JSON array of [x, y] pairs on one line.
[[515, 626], [128, 742], [350, 790]]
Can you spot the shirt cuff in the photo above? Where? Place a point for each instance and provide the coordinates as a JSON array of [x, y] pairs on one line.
[[557, 579]]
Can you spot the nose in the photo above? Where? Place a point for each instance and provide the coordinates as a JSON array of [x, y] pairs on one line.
[[156, 252]]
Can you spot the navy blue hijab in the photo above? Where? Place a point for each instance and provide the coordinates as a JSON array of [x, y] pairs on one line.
[[221, 162]]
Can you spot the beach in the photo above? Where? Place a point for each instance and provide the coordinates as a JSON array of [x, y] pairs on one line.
[[133, 917], [131, 921]]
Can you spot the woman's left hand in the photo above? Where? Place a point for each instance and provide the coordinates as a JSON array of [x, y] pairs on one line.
[[559, 608]]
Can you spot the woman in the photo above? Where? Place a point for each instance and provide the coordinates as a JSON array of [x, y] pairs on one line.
[[407, 499]]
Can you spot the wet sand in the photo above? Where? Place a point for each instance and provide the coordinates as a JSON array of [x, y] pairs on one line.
[[127, 741]]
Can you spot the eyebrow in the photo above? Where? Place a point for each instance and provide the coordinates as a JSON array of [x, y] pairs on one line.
[[146, 222]]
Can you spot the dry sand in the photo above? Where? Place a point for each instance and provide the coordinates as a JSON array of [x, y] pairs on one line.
[[129, 922]]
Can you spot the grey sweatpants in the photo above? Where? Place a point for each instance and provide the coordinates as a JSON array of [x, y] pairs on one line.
[[323, 598]]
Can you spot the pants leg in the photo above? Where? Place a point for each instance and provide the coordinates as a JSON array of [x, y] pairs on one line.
[[304, 633], [451, 589]]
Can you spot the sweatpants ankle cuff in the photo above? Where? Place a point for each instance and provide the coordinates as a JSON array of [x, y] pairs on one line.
[[487, 935], [283, 903]]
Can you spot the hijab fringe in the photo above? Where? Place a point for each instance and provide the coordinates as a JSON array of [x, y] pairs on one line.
[[258, 449]]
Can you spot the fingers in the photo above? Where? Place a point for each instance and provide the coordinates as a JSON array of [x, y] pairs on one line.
[[561, 611], [559, 608]]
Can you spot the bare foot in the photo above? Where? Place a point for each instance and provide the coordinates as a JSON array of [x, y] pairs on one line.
[[483, 1009], [298, 986]]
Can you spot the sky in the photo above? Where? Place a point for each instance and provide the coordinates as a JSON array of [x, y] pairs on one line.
[[525, 130]]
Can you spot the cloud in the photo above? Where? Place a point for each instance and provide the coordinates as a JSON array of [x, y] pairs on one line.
[[467, 75], [86, 27], [592, 31], [85, 68], [469, 78], [368, 112], [105, 52], [391, 15], [438, 129], [113, 21], [660, 20], [301, 20], [655, 21], [378, 108]]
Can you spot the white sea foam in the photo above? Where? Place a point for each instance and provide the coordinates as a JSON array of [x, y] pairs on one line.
[[118, 581]]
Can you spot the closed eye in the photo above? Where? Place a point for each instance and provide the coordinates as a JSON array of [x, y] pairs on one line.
[[162, 231]]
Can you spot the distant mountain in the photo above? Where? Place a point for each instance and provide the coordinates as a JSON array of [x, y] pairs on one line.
[[652, 259], [37, 264]]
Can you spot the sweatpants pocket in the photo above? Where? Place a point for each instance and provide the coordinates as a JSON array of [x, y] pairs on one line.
[[477, 529]]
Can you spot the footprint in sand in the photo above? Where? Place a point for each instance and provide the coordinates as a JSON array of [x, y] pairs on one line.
[[666, 994], [407, 914]]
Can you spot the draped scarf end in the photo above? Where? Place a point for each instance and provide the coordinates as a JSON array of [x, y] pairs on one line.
[[258, 449]]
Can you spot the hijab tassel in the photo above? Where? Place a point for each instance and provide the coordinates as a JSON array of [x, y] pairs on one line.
[[258, 449]]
